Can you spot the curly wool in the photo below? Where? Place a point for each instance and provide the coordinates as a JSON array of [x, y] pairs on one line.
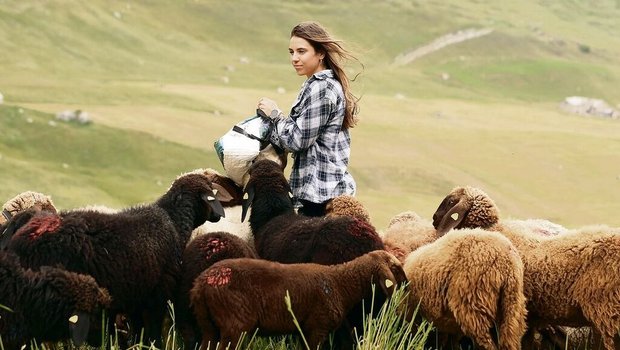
[[347, 205], [569, 277], [26, 200], [406, 216], [407, 232], [469, 282]]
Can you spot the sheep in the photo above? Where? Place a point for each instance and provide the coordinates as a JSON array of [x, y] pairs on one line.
[[232, 222], [347, 205], [472, 208], [468, 283], [570, 279], [134, 253], [281, 235], [23, 201], [242, 295], [407, 232], [49, 305], [200, 253]]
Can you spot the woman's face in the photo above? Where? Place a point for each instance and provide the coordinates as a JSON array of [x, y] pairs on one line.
[[304, 58]]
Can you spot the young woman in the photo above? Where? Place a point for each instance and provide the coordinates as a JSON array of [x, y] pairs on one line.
[[316, 131]]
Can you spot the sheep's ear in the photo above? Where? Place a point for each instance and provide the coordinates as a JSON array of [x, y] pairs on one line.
[[214, 204], [248, 197], [387, 281], [17, 221], [79, 325], [221, 193], [452, 218], [388, 284]]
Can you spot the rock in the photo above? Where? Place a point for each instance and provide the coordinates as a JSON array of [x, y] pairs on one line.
[[589, 107]]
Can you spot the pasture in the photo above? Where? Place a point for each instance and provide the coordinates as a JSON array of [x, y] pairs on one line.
[[162, 80]]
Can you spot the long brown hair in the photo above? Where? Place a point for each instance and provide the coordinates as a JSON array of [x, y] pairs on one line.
[[322, 42]]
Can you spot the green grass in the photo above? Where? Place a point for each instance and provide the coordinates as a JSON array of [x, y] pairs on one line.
[[155, 71], [386, 331], [87, 164]]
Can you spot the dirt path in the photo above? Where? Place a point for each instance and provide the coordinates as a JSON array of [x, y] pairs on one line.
[[439, 43]]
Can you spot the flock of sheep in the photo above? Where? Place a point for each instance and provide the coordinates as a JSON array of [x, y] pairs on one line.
[[501, 284]]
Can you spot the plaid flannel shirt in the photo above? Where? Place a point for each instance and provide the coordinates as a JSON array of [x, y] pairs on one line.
[[312, 133]]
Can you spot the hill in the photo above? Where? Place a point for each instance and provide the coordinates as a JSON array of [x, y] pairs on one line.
[[482, 112]]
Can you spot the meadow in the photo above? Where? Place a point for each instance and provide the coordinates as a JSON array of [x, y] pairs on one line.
[[170, 78], [162, 80]]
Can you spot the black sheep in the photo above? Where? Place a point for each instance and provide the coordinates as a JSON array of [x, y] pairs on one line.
[[134, 253], [283, 236], [48, 305], [202, 252]]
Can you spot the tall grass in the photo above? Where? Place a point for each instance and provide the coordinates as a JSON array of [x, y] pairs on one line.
[[386, 331]]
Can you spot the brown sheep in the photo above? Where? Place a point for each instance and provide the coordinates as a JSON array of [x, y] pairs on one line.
[[241, 295], [202, 252], [570, 279], [347, 205], [468, 283]]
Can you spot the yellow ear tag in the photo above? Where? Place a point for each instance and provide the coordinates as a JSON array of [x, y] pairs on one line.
[[455, 216], [388, 283], [210, 198], [73, 319], [290, 195], [215, 191], [246, 196]]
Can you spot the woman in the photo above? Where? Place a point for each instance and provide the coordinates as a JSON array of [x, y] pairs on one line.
[[317, 128]]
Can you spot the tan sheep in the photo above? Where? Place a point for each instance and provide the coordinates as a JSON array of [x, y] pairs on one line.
[[570, 279], [347, 205], [23, 201], [407, 232], [468, 283]]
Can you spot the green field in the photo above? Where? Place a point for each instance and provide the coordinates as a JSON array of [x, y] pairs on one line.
[[162, 80]]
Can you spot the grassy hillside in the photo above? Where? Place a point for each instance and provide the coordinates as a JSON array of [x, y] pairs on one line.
[[87, 164], [174, 76]]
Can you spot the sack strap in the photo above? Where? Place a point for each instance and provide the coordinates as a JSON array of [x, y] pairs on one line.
[[263, 143]]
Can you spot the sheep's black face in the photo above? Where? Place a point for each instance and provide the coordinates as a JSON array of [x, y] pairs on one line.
[[197, 190], [268, 185], [448, 202], [267, 174]]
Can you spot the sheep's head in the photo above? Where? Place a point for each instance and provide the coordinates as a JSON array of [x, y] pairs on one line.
[[405, 217], [202, 191], [80, 304], [228, 184], [266, 180], [389, 273], [26, 200], [465, 207], [347, 205]]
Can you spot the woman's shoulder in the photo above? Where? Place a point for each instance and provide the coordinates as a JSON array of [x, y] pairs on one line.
[[324, 83]]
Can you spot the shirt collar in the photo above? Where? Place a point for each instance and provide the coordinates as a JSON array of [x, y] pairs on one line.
[[324, 74]]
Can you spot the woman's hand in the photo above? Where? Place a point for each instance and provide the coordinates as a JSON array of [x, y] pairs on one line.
[[268, 106]]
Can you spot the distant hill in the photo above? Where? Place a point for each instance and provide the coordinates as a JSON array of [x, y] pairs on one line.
[[87, 164], [166, 78]]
